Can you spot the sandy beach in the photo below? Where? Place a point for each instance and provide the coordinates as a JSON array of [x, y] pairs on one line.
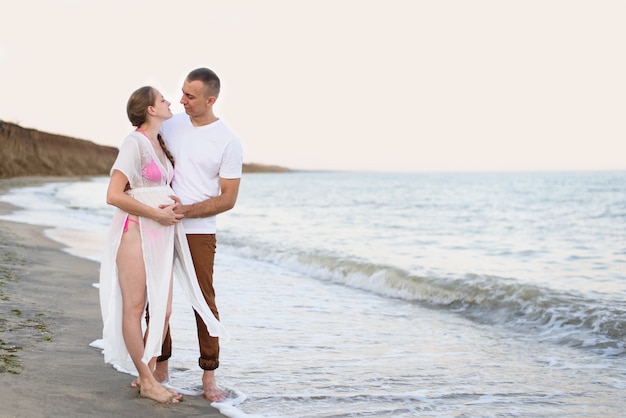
[[49, 313]]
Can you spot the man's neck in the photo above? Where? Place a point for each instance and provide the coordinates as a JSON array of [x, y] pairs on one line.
[[203, 120]]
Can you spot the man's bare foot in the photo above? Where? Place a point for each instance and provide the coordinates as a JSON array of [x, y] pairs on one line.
[[211, 391], [161, 371]]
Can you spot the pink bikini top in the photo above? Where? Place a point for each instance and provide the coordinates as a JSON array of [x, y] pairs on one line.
[[151, 171]]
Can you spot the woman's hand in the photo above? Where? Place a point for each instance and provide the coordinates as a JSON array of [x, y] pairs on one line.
[[178, 206], [167, 215]]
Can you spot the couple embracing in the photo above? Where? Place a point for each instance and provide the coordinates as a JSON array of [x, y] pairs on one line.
[[172, 176]]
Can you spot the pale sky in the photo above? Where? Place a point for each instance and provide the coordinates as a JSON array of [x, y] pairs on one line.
[[393, 85]]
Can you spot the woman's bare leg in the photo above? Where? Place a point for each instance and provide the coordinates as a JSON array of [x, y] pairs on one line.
[[152, 364], [132, 279]]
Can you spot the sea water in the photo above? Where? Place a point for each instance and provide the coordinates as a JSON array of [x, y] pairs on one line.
[[400, 294]]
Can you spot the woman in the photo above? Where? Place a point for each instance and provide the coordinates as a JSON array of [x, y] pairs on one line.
[[146, 244]]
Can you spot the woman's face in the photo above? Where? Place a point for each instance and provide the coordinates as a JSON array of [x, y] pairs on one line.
[[162, 107]]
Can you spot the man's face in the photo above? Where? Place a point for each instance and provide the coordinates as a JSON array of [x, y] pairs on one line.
[[194, 99]]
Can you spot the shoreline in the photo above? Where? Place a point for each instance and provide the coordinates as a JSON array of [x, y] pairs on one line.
[[50, 313]]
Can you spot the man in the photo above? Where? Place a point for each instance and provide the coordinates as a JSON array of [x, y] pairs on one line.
[[208, 159]]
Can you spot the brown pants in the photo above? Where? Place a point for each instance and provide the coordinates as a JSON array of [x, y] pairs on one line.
[[202, 247]]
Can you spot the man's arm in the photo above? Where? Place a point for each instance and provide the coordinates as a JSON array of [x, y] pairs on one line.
[[210, 207]]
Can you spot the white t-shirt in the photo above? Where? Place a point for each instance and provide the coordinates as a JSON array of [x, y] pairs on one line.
[[202, 155]]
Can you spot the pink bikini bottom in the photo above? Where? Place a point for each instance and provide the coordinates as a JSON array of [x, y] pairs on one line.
[[126, 223]]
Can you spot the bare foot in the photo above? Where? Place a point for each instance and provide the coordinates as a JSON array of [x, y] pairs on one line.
[[137, 385], [211, 391], [161, 374], [159, 393], [161, 371]]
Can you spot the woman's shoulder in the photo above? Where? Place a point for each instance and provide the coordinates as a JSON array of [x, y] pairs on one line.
[[131, 141], [133, 137]]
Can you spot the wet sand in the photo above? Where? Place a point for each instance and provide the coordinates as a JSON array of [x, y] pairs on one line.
[[49, 313]]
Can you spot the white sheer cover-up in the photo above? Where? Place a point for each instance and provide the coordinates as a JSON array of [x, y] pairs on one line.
[[165, 250]]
